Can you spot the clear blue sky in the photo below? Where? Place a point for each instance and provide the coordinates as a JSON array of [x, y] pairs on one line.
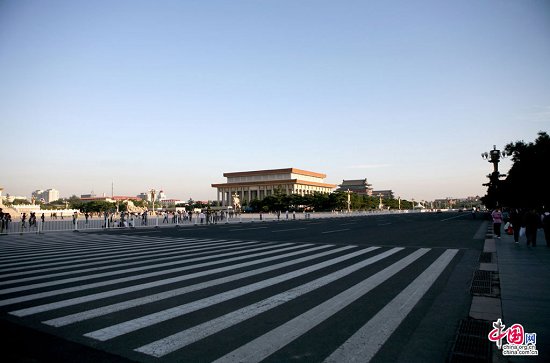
[[172, 94]]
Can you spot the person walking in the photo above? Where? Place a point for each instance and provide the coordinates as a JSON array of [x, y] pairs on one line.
[[516, 219], [532, 222], [32, 220], [201, 217], [545, 219], [1, 221], [497, 221], [7, 221], [24, 221]]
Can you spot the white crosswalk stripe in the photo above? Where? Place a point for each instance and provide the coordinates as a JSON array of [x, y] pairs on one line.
[[363, 345], [170, 297]]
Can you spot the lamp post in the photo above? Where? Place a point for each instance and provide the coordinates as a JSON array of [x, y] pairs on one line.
[[380, 205], [399, 201], [493, 157], [153, 192], [348, 192], [413, 203]]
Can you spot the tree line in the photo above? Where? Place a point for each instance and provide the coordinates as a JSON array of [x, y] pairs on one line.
[[279, 201], [527, 184]]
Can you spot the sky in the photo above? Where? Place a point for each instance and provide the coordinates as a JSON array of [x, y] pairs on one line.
[[170, 95]]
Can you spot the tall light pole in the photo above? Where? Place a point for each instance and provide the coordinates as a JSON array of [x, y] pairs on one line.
[[493, 157], [380, 205], [153, 192], [399, 200], [348, 192]]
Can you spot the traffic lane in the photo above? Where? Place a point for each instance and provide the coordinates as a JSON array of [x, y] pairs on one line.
[[426, 229], [316, 343], [302, 347], [429, 331]]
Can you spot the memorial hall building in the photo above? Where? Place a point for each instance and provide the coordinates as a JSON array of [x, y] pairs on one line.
[[258, 184]]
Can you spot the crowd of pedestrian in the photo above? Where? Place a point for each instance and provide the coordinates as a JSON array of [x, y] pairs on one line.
[[521, 222], [5, 221]]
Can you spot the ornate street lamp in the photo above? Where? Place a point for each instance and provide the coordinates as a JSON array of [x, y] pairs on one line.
[[494, 157]]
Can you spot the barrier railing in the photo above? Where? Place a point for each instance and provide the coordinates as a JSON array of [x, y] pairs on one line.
[[136, 222]]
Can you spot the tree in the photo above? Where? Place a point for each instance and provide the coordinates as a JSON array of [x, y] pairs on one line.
[[20, 201], [526, 184], [140, 203]]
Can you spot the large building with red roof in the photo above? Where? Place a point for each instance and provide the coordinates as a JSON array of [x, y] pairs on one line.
[[258, 184]]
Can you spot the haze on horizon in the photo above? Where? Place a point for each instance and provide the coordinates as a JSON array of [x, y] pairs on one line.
[[172, 94]]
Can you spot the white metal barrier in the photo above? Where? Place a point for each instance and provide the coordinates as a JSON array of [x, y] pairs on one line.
[[138, 221]]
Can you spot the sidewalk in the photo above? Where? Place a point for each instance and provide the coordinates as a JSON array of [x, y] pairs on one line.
[[525, 290]]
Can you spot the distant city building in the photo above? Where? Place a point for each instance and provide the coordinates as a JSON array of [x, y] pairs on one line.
[[115, 198], [144, 196], [161, 195], [47, 196], [11, 198], [250, 185], [91, 195], [357, 186], [386, 194], [171, 202], [449, 202]]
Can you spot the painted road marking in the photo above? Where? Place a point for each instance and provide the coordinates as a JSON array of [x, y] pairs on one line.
[[246, 229], [119, 272], [455, 217], [363, 345], [336, 230], [287, 230], [179, 340], [69, 319], [179, 252], [157, 283], [105, 258], [155, 318], [267, 344], [106, 298], [142, 276]]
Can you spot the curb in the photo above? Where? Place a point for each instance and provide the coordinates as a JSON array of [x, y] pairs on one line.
[[472, 342]]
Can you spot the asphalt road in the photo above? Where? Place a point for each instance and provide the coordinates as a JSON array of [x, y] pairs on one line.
[[380, 288]]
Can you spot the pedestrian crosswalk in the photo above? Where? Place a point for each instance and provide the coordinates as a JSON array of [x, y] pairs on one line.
[[191, 299]]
